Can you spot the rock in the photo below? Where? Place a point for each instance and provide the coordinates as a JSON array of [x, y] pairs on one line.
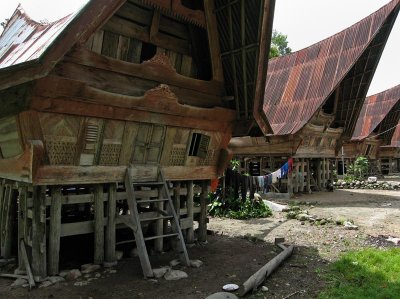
[[134, 252], [89, 268], [119, 254], [340, 220], [81, 283], [55, 279], [45, 284], [350, 226], [63, 273], [98, 275], [160, 272], [302, 217], [175, 275], [323, 222], [112, 271], [19, 282], [196, 263], [275, 207], [73, 274], [291, 215], [174, 263], [294, 208], [264, 289], [222, 295], [393, 240]]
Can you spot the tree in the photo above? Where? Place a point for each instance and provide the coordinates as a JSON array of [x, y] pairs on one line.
[[279, 45]]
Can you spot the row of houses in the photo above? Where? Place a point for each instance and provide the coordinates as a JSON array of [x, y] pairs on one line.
[[117, 117]]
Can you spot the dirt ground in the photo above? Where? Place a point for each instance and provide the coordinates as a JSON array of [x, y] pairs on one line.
[[238, 248]]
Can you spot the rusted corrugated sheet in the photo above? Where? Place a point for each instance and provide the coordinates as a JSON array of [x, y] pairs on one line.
[[378, 110], [395, 142], [299, 84], [25, 40]]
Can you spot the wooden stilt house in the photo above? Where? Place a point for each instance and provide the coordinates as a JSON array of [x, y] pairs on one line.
[[374, 132], [118, 116], [313, 98]]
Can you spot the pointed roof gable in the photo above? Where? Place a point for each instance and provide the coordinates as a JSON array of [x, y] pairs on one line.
[[382, 110], [300, 83], [395, 142]]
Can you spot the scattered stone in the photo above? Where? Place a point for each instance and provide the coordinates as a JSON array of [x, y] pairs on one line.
[[291, 215], [264, 289], [81, 283], [174, 263], [73, 274], [196, 263], [175, 275], [45, 284], [119, 254], [89, 268], [160, 272], [153, 280], [393, 240], [350, 226], [112, 271], [63, 273], [302, 217], [19, 282], [323, 222], [86, 275], [302, 223], [98, 275], [274, 206], [340, 220], [55, 279], [222, 295], [372, 179]]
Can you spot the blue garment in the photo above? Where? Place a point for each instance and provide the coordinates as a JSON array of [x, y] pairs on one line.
[[285, 169]]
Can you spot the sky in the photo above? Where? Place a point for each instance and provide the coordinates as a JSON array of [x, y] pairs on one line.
[[305, 22]]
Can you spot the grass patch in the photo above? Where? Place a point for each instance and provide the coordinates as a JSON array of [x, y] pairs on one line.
[[368, 273]]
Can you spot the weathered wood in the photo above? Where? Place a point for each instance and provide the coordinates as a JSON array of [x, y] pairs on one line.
[[110, 257], [302, 169], [26, 264], [202, 237], [98, 225], [22, 223], [39, 250], [55, 230], [189, 202], [7, 221], [319, 174], [2, 196], [254, 281], [309, 174]]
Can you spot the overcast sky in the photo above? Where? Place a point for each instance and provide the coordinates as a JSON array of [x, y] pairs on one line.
[[304, 22]]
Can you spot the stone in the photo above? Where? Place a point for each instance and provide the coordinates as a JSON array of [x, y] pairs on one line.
[[302, 217], [323, 222], [19, 282], [175, 275], [45, 284], [174, 263], [119, 255], [55, 279], [89, 268], [350, 226], [196, 263], [222, 295], [160, 272], [81, 283], [63, 273], [98, 275], [73, 274], [112, 271], [340, 220], [291, 215], [264, 289]]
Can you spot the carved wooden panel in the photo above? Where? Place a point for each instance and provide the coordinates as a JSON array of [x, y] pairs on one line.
[[10, 145], [112, 143], [90, 141], [175, 146], [148, 144], [178, 155]]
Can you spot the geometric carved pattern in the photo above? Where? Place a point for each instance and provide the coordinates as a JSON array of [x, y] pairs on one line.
[[209, 160], [61, 153], [177, 157], [110, 154]]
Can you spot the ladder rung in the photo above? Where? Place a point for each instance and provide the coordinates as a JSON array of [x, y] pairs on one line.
[[146, 184], [156, 218], [125, 242], [151, 200], [161, 236]]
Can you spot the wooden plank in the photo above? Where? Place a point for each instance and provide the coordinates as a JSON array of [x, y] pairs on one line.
[[110, 44], [302, 169], [22, 222], [7, 222], [309, 174], [2, 197], [135, 50], [189, 202], [202, 237], [126, 28], [123, 48], [97, 45], [39, 250], [55, 230], [27, 266], [98, 225], [110, 257]]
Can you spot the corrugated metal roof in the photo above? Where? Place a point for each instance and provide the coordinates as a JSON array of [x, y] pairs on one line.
[[378, 110], [25, 40], [395, 142], [299, 84]]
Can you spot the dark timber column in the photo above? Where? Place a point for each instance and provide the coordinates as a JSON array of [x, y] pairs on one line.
[[7, 222], [319, 174], [110, 229], [39, 263], [189, 201], [98, 225], [21, 223], [55, 230], [203, 212]]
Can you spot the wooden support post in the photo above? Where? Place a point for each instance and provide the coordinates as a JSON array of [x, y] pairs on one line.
[[319, 174], [159, 226], [302, 175], [3, 193], [110, 229], [324, 173], [177, 198], [189, 201], [98, 225], [22, 227], [39, 256], [203, 212], [328, 170], [296, 177], [7, 222], [55, 230], [309, 174], [290, 184]]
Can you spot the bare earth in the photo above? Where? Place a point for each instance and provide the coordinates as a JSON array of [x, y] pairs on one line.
[[238, 248]]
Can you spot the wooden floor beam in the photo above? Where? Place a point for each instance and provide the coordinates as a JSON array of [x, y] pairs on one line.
[[110, 257], [189, 201], [202, 237], [39, 262], [55, 230], [98, 225]]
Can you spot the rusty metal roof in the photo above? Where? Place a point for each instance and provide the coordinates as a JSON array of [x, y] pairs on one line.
[[300, 83], [379, 114], [25, 40], [395, 142]]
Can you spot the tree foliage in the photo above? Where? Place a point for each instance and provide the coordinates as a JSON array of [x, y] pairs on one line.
[[279, 45]]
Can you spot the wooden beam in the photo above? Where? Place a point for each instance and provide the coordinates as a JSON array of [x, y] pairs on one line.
[[39, 250], [55, 230], [7, 221], [110, 257], [98, 225], [202, 236], [189, 202], [22, 223]]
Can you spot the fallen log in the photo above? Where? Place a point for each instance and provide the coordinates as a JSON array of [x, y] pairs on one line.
[[258, 278], [13, 276]]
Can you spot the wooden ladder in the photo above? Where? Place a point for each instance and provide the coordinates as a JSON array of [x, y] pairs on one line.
[[165, 211]]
